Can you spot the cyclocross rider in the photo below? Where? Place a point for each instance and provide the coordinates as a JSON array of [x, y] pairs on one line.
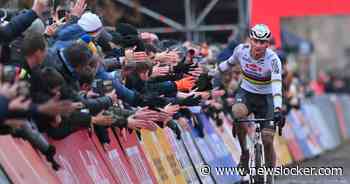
[[260, 91]]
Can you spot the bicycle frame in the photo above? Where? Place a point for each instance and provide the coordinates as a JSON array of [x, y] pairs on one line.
[[257, 141], [255, 151]]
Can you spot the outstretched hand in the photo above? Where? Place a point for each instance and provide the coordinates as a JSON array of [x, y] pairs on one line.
[[56, 106], [78, 8], [40, 6]]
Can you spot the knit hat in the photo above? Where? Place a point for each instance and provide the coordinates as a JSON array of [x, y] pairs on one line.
[[37, 26], [90, 22], [117, 38], [126, 29]]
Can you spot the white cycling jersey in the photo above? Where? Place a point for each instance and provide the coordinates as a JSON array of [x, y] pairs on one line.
[[262, 76]]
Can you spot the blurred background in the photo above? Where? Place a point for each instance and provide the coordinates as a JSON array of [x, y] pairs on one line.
[[314, 45]]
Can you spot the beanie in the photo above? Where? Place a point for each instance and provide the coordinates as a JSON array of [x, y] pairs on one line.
[[90, 22], [117, 38], [126, 29], [37, 26]]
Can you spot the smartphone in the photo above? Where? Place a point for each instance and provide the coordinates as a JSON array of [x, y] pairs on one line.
[[8, 74], [61, 14], [50, 21]]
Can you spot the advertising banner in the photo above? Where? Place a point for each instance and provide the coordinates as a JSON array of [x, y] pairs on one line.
[[345, 103], [159, 158], [22, 163], [188, 169], [339, 111], [115, 160], [220, 151], [301, 132], [195, 155], [282, 151], [293, 144], [136, 157], [80, 160], [328, 113], [326, 139]]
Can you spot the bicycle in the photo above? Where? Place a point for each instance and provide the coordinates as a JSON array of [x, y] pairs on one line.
[[256, 150]]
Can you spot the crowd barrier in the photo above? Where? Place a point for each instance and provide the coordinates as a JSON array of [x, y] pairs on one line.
[[321, 124]]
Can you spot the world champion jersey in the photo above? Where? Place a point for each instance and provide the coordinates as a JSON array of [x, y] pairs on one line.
[[262, 76]]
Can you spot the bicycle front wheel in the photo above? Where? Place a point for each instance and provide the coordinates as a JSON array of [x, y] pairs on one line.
[[259, 163]]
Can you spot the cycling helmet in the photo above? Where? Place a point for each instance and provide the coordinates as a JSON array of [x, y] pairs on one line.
[[260, 32]]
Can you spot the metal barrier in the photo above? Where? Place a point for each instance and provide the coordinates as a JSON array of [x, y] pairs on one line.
[[322, 123]]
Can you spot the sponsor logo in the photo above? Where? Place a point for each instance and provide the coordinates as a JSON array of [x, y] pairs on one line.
[[254, 67]]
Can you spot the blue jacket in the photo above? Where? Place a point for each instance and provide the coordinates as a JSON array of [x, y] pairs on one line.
[[57, 60], [67, 36], [129, 96], [71, 32]]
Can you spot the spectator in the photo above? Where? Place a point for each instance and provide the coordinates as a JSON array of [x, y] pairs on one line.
[[21, 22], [69, 62], [318, 86], [34, 49]]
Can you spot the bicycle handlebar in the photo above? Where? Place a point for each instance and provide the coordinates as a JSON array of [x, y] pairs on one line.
[[261, 120]]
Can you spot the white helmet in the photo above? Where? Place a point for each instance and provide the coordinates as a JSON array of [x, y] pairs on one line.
[[260, 32]]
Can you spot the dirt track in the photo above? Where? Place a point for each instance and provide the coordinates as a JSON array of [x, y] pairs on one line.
[[337, 158]]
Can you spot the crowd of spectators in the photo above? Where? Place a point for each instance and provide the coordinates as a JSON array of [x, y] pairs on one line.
[[66, 72]]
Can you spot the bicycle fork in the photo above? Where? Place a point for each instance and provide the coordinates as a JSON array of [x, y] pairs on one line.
[[257, 159]]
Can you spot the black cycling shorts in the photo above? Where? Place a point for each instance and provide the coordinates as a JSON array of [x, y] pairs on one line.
[[261, 105]]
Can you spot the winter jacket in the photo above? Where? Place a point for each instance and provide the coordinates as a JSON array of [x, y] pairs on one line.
[[17, 26]]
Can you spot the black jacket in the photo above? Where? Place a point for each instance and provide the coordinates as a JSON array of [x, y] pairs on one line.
[[3, 108], [70, 124], [13, 30], [57, 60], [17, 26]]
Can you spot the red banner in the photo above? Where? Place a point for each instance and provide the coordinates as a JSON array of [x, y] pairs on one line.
[[115, 160], [23, 164], [270, 12], [80, 161], [136, 157]]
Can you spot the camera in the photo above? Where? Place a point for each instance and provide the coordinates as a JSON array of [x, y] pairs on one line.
[[102, 87], [50, 21], [119, 120], [194, 57], [9, 74], [61, 13]]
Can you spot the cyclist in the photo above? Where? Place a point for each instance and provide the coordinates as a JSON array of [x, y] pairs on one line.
[[260, 91]]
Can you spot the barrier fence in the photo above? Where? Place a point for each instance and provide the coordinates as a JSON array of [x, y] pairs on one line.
[[322, 123]]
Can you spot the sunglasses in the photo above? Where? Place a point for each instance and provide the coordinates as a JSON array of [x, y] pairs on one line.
[[260, 41]]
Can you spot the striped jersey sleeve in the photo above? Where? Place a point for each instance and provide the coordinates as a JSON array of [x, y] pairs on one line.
[[276, 82]]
